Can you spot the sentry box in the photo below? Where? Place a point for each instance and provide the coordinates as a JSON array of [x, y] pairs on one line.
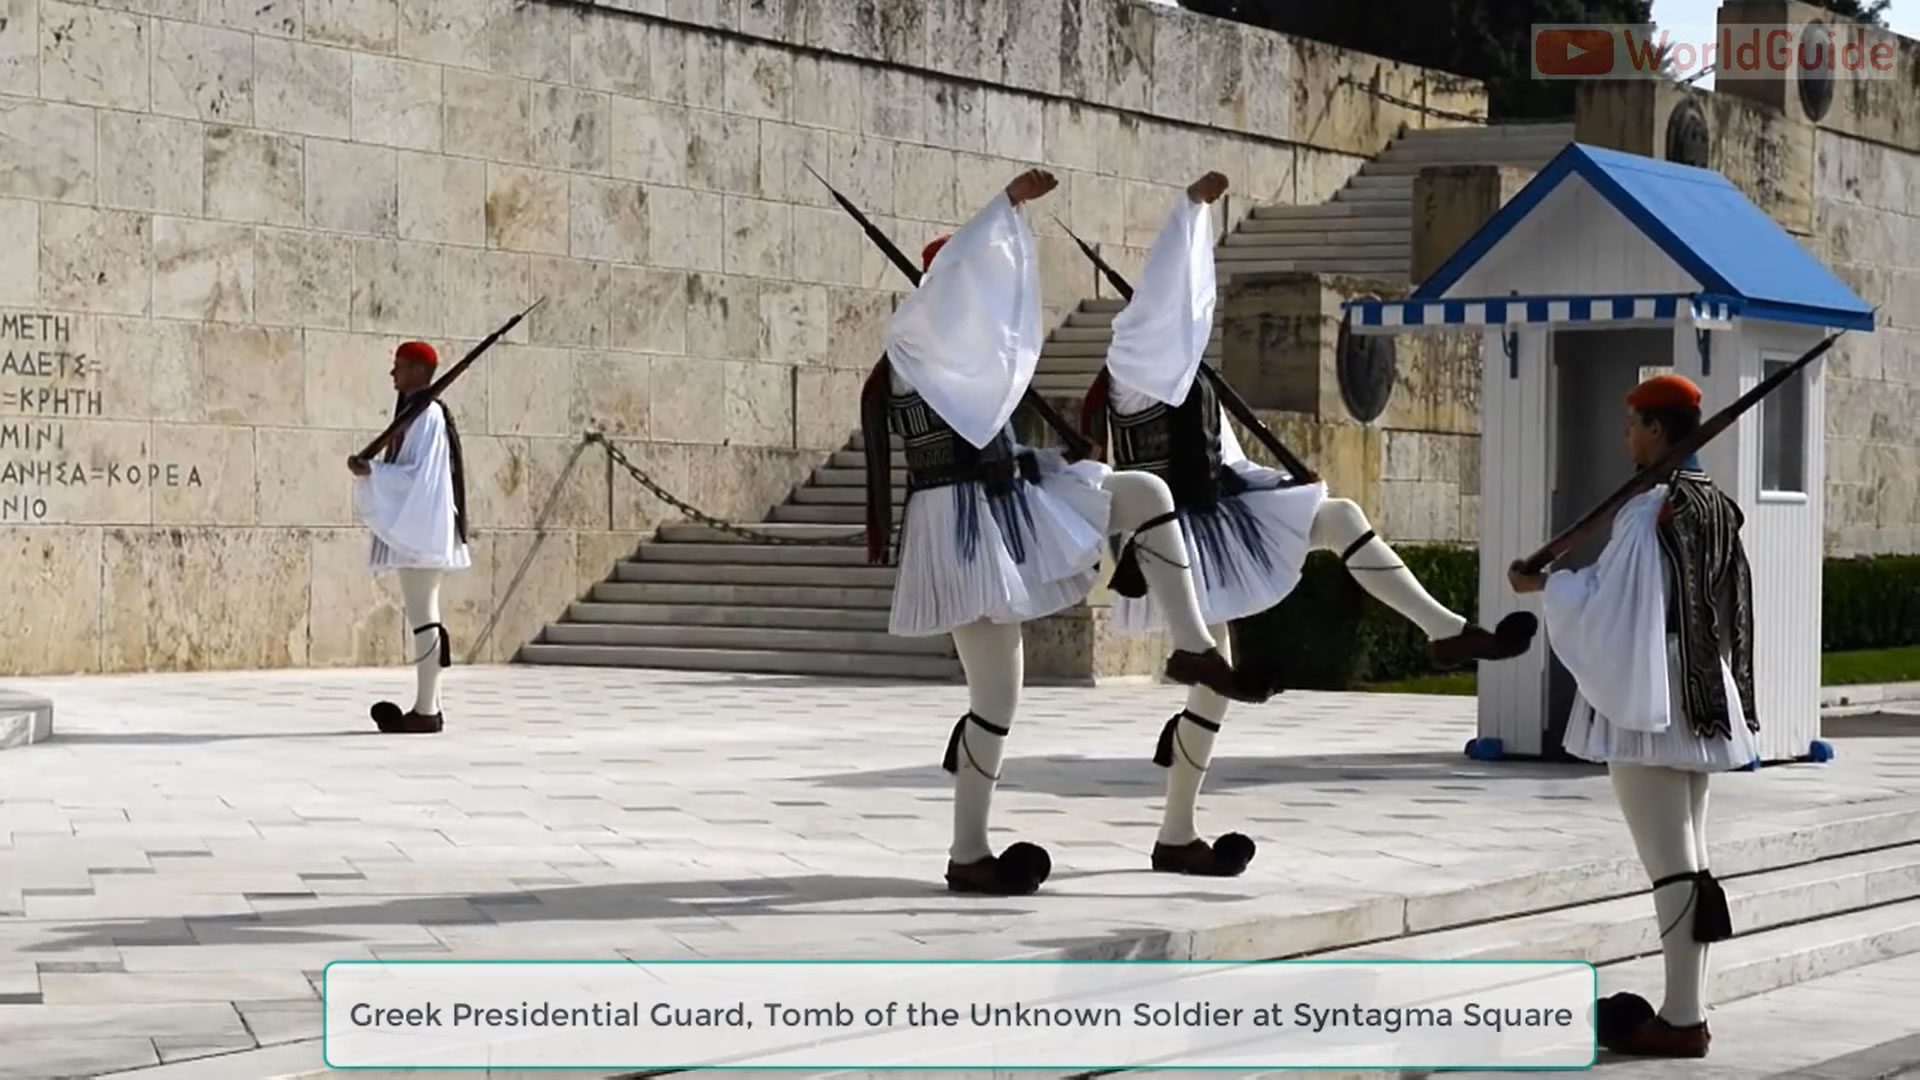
[[1608, 267]]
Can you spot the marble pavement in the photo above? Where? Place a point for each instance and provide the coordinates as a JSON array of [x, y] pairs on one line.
[[180, 861]]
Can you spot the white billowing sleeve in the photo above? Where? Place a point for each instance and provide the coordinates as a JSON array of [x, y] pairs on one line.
[[1608, 622], [1159, 338], [968, 339], [407, 503]]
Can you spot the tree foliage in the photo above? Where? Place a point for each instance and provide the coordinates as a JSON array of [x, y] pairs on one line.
[[1482, 39], [1873, 12]]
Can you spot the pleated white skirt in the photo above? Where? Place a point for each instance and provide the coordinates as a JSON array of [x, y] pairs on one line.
[[1246, 554], [966, 557], [1592, 737]]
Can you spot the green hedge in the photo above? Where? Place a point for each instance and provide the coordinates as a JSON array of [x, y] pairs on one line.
[[1330, 635]]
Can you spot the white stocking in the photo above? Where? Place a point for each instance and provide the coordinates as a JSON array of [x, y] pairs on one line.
[[1192, 753], [990, 654], [1138, 498], [420, 592], [1340, 526], [1698, 785], [1658, 804]]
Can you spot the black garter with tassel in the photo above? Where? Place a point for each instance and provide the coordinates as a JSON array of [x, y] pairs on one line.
[[1128, 579]]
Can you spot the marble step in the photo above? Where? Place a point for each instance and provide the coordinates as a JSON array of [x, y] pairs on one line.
[[1401, 197], [691, 532], [754, 661], [1329, 212], [1412, 168], [852, 473], [741, 573], [683, 615], [25, 719], [730, 595], [836, 496], [744, 638], [760, 554], [1355, 266], [1623, 928], [846, 516], [1395, 238]]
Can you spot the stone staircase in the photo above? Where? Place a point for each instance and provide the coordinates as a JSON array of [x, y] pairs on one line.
[[700, 598]]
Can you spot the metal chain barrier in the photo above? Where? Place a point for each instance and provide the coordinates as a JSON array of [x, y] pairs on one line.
[[701, 517]]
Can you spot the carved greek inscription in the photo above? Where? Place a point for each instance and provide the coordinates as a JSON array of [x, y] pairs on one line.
[[52, 470]]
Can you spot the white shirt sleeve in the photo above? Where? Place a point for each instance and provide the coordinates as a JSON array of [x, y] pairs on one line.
[[968, 339]]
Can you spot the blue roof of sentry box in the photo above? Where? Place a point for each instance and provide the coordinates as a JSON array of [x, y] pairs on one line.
[[1701, 221]]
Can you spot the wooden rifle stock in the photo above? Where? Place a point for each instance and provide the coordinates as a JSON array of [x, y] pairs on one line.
[[1653, 474], [432, 393]]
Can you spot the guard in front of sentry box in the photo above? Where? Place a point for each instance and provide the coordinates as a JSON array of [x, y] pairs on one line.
[[414, 503], [1248, 529], [1658, 635], [997, 533]]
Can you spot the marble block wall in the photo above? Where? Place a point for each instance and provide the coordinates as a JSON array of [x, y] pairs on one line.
[[223, 215]]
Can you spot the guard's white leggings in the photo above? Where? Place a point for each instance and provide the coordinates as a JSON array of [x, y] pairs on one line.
[[990, 653], [1666, 811], [1338, 526], [420, 592]]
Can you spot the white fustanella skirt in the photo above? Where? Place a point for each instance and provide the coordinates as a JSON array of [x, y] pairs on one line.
[[967, 556], [1246, 553], [1592, 737]]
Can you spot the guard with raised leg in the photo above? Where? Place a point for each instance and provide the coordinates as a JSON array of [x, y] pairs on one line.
[[996, 533], [1248, 529]]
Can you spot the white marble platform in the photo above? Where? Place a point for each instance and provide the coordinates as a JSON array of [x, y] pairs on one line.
[[177, 867]]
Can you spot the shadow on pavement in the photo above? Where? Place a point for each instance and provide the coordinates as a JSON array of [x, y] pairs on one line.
[[1074, 777]]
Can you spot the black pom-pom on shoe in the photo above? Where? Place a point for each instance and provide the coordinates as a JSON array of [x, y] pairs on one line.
[[1234, 850], [1515, 632], [1617, 1016], [1028, 861], [386, 716]]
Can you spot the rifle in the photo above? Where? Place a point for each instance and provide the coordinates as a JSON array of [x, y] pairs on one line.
[[439, 386], [1229, 397], [1077, 444], [1646, 478]]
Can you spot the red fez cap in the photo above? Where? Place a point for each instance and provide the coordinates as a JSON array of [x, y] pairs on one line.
[[926, 256], [1665, 392], [418, 351]]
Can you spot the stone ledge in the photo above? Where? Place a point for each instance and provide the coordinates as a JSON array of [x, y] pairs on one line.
[[24, 719]]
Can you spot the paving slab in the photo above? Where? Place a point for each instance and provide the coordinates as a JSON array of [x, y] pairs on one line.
[[183, 858]]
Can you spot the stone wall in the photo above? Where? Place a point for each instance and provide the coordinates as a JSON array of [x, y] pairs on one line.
[[223, 215]]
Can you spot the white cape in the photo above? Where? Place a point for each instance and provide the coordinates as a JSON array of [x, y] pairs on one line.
[[1607, 622], [407, 503], [968, 339], [1161, 335]]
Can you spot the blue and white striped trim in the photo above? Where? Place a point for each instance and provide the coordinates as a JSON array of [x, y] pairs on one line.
[[1710, 313]]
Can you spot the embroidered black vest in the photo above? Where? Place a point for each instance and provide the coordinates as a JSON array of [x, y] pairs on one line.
[[937, 456], [1179, 445], [1710, 600], [456, 460]]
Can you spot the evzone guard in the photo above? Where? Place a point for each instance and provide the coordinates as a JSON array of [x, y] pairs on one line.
[[414, 503], [996, 533], [1248, 529], [1658, 635]]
